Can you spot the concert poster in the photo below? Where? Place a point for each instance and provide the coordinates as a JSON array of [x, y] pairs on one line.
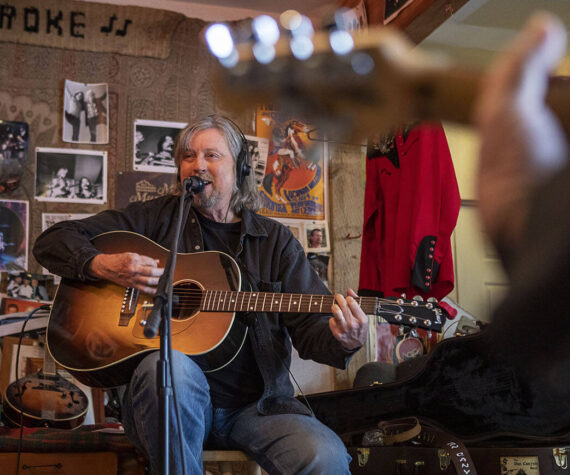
[[14, 223], [293, 185], [71, 175], [142, 186]]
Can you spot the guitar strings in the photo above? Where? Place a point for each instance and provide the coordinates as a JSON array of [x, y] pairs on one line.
[[198, 294], [189, 299]]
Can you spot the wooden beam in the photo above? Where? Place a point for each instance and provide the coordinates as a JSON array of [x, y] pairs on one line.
[[418, 19], [421, 26]]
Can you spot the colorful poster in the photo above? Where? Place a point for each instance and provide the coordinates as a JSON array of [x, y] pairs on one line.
[[295, 174]]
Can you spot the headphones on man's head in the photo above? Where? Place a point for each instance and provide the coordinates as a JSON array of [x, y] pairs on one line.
[[243, 160]]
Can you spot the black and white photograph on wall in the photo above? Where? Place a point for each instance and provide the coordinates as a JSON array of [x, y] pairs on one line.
[[70, 175], [85, 113], [154, 145], [258, 148], [14, 228], [14, 142], [317, 236], [320, 264]]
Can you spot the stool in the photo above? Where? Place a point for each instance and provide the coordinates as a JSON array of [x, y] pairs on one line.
[[225, 458]]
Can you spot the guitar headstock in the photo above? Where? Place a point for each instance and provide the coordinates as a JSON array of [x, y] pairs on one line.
[[428, 315], [374, 81]]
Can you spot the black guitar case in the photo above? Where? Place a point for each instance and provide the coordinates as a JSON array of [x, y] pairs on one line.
[[487, 460], [461, 385]]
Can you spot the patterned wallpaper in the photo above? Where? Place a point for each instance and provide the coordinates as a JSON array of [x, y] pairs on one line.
[[32, 78]]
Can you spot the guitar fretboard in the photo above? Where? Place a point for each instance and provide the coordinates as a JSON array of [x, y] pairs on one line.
[[228, 301], [396, 311]]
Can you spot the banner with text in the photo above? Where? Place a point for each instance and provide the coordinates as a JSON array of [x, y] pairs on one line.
[[88, 26]]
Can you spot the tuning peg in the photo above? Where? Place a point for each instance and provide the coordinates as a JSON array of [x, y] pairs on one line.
[[432, 299], [414, 332], [418, 298], [403, 295]]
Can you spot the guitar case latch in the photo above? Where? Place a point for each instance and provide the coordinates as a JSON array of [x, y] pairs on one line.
[[560, 457], [444, 459]]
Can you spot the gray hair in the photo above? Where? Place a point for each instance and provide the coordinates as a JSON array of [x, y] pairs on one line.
[[247, 196]]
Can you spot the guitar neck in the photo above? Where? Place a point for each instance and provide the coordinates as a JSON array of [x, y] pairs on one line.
[[402, 84], [228, 301], [49, 368], [397, 311]]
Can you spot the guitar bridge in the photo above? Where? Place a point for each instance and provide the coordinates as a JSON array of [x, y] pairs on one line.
[[129, 306]]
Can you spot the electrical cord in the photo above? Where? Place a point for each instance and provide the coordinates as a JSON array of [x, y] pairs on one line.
[[21, 336]]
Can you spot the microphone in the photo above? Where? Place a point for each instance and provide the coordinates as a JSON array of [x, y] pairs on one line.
[[194, 184]]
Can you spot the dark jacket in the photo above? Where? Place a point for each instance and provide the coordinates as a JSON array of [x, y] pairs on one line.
[[273, 257]]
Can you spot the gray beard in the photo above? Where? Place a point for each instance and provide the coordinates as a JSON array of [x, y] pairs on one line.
[[206, 202]]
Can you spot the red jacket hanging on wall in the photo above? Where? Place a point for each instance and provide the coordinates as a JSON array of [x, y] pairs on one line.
[[410, 210]]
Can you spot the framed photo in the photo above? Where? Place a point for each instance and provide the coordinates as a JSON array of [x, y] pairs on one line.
[[14, 223], [154, 145], [17, 305], [71, 175], [25, 285], [317, 236], [14, 139], [392, 8], [258, 148], [85, 113]]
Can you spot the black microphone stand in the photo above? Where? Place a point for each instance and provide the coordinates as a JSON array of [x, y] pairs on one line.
[[161, 315]]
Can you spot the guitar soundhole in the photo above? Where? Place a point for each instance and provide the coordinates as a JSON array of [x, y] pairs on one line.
[[186, 299]]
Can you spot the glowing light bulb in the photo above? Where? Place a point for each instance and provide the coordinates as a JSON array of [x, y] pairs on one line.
[[266, 29], [341, 42], [302, 47], [362, 63], [219, 40]]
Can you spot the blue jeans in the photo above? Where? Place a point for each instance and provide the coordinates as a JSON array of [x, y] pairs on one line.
[[281, 444]]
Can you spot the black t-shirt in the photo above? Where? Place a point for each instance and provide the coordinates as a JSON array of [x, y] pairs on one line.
[[240, 382]]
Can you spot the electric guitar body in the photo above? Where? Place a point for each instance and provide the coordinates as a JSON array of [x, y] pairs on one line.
[[44, 399]]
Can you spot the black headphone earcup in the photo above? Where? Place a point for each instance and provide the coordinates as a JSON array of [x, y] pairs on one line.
[[243, 166]]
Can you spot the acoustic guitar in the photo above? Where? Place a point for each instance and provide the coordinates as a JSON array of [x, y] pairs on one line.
[[382, 82], [95, 329], [44, 399]]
